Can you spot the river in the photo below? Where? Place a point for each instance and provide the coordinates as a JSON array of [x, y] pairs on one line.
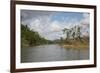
[[53, 52]]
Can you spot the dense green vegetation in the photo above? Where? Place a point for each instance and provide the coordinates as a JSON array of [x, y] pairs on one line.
[[31, 37]]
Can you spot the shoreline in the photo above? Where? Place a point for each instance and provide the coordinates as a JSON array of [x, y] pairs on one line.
[[73, 46]]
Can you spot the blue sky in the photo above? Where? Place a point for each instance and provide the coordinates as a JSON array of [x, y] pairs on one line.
[[67, 16], [49, 24]]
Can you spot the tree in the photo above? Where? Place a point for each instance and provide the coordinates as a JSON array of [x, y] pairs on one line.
[[73, 35], [31, 37], [66, 31], [78, 32], [73, 32]]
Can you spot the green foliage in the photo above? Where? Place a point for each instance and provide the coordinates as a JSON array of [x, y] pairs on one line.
[[31, 37]]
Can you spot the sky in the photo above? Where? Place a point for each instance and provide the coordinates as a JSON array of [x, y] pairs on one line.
[[49, 24]]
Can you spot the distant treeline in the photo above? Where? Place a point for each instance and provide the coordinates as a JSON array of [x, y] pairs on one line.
[[31, 37]]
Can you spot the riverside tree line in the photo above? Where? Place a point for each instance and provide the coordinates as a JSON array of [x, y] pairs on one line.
[[31, 37]]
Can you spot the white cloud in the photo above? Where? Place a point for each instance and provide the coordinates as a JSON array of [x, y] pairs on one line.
[[55, 26]]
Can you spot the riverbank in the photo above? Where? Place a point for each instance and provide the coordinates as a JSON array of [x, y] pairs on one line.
[[76, 44]]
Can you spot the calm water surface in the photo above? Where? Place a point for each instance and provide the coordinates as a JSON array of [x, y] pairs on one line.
[[54, 52]]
